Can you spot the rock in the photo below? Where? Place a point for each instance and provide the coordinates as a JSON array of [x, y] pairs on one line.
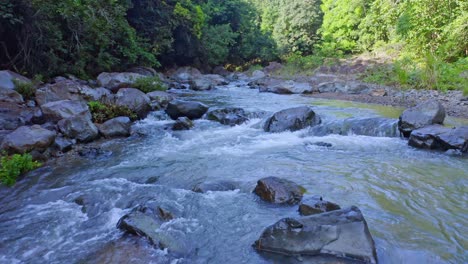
[[25, 139], [192, 110], [145, 222], [312, 205], [145, 71], [456, 138], [258, 74], [348, 87], [79, 127], [220, 70], [58, 110], [185, 74], [378, 92], [63, 144], [182, 123], [427, 113], [440, 138], [273, 67], [207, 82], [287, 87], [228, 116], [342, 233], [373, 126], [11, 116], [93, 152], [11, 96], [292, 119], [116, 127], [7, 78], [116, 80], [68, 90], [216, 186], [135, 100], [162, 98], [279, 191], [323, 144]]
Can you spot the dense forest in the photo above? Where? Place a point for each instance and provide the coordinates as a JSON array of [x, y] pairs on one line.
[[85, 37]]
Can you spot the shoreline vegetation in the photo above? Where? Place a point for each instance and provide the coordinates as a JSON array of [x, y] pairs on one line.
[[418, 44]]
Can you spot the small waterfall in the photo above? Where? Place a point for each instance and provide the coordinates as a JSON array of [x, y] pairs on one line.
[[375, 127]]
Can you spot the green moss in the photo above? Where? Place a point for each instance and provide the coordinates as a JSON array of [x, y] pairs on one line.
[[14, 166]]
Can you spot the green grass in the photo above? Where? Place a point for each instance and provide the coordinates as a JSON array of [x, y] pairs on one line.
[[14, 166], [101, 112], [149, 84]]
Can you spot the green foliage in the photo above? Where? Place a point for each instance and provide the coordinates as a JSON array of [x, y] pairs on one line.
[[26, 89], [149, 84], [14, 166], [101, 112], [216, 43]]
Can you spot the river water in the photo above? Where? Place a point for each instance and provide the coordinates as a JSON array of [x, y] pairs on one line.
[[415, 202]]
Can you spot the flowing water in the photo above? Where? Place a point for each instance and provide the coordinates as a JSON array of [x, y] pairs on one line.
[[415, 202]]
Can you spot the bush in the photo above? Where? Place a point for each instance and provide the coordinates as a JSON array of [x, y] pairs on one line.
[[14, 166], [101, 112], [27, 89], [149, 84]]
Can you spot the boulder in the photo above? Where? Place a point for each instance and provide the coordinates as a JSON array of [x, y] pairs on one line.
[[192, 110], [220, 70], [342, 233], [279, 191], [185, 74], [440, 138], [25, 139], [145, 222], [11, 116], [216, 186], [258, 74], [287, 87], [314, 205], [10, 96], [182, 123], [273, 67], [116, 127], [160, 97], [116, 80], [63, 144], [228, 116], [135, 100], [427, 113], [207, 82], [65, 89], [292, 119], [7, 79], [348, 87], [79, 127], [58, 110]]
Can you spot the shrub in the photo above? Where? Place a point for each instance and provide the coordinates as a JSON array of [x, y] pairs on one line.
[[14, 166], [101, 112], [26, 89], [149, 84]]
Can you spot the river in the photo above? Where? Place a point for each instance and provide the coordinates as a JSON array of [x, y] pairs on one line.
[[415, 202]]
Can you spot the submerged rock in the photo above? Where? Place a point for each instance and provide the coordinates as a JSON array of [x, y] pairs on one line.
[[279, 191], [192, 110], [314, 205], [427, 113], [25, 139], [292, 119], [182, 123], [216, 186], [342, 233], [228, 116]]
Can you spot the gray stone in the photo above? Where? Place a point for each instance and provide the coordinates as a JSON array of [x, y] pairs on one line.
[[427, 113], [7, 78], [192, 110], [65, 89], [11, 96], [279, 191], [314, 205], [63, 144], [160, 97], [292, 119], [440, 138], [116, 80], [116, 127], [342, 233], [230, 116], [456, 138], [286, 87], [258, 74], [58, 110], [216, 186], [135, 100], [25, 139], [79, 127], [185, 74], [182, 123]]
